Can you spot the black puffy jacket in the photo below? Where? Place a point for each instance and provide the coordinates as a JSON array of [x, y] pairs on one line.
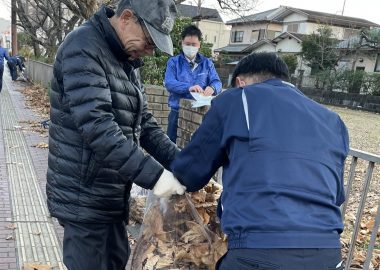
[[99, 118]]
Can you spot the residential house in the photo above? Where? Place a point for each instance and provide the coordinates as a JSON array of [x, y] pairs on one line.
[[249, 30], [282, 30], [5, 32], [213, 28], [359, 54]]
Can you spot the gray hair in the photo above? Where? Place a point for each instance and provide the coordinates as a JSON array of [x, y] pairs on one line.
[[123, 5]]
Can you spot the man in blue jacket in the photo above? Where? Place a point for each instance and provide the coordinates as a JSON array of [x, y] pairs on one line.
[[188, 72], [3, 54], [283, 161]]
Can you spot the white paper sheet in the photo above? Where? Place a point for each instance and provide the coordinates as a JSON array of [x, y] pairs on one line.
[[201, 100]]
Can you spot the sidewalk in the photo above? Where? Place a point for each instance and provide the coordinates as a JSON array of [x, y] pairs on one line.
[[27, 232]]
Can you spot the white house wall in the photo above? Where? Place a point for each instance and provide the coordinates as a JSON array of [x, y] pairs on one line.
[[289, 46], [310, 28], [369, 62], [216, 33], [247, 28], [265, 48], [295, 17]]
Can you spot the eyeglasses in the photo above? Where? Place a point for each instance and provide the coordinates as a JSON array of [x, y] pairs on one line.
[[149, 41]]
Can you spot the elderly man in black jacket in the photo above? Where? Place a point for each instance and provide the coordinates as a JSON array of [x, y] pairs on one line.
[[99, 126]]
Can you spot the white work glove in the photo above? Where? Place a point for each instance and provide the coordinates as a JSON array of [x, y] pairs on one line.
[[168, 185]]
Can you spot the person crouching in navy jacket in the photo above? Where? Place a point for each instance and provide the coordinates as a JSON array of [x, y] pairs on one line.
[[283, 161]]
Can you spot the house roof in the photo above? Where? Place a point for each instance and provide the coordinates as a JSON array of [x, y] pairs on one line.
[[257, 17], [189, 11], [279, 14], [284, 35], [328, 18], [233, 48], [353, 43], [258, 44]]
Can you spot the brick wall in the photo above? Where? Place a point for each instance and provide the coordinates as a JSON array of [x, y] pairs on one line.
[[189, 118], [158, 103]]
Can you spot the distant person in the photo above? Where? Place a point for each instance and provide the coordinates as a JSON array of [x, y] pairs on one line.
[[3, 54], [283, 162], [12, 66], [16, 62], [188, 72]]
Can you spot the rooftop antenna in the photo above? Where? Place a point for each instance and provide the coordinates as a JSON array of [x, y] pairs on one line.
[[344, 4]]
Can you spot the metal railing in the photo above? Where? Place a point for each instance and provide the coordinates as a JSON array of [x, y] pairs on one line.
[[372, 160]]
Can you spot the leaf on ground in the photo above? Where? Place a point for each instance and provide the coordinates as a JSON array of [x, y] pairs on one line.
[[41, 145], [37, 266], [11, 226]]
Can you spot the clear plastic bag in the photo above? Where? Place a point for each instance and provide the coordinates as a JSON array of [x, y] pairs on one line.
[[174, 237]]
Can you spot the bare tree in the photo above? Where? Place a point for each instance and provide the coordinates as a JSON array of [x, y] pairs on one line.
[[238, 7], [47, 22]]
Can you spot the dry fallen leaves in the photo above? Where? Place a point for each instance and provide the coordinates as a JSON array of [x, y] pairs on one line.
[[11, 226], [37, 99], [176, 237], [41, 145], [37, 266]]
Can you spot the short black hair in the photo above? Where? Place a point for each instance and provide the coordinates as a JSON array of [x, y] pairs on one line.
[[191, 30], [122, 5], [261, 63]]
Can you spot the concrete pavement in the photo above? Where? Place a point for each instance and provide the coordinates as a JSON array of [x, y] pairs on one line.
[[27, 232]]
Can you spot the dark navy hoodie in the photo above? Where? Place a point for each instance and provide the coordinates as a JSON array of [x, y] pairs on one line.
[[282, 178]]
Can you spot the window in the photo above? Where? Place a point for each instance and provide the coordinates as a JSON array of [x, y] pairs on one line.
[[254, 36], [377, 67], [271, 34], [257, 35], [237, 36], [261, 34], [293, 28], [349, 33], [214, 39]]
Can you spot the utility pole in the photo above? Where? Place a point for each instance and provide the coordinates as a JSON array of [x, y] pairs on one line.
[[14, 27], [199, 12], [344, 5]]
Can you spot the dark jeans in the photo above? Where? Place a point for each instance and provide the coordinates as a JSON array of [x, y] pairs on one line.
[[89, 246], [281, 259], [173, 125], [13, 70], [1, 76]]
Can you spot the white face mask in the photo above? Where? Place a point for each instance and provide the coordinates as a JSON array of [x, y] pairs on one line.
[[190, 51]]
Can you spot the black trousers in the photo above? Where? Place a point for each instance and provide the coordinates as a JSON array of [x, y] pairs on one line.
[[89, 246], [12, 69], [281, 259]]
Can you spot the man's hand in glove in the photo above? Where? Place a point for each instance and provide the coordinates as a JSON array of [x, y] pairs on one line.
[[168, 185]]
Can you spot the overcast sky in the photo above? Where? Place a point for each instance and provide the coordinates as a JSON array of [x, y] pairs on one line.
[[366, 9]]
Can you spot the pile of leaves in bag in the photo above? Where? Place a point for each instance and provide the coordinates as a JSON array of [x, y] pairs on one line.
[[181, 233]]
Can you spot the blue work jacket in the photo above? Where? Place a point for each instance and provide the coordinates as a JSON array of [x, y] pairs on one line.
[[3, 54], [282, 177], [179, 77]]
